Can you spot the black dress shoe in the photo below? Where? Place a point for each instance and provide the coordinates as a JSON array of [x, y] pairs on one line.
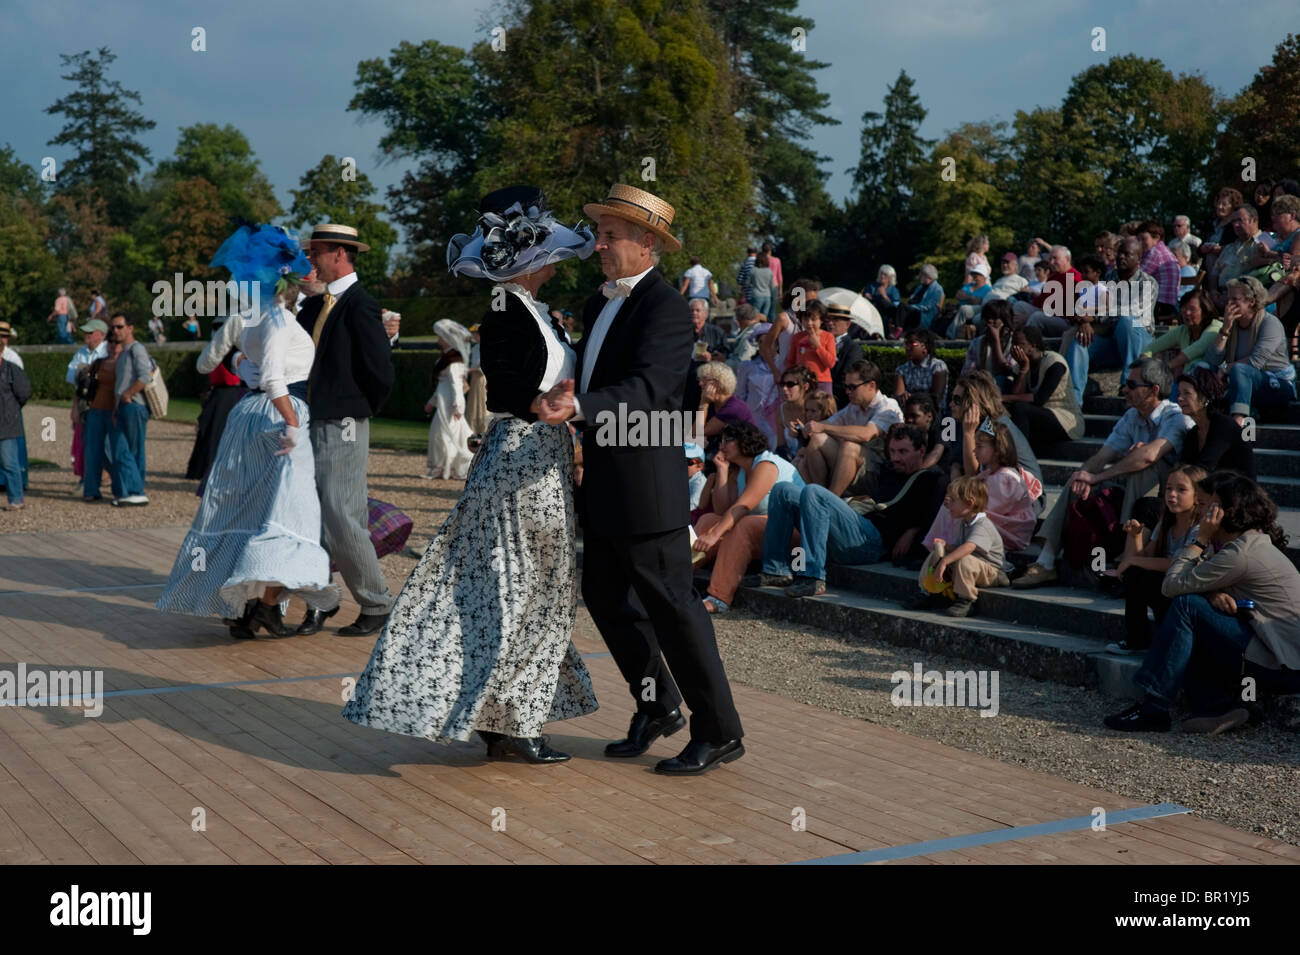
[[534, 750], [315, 620], [643, 731], [239, 626], [365, 624], [269, 618], [700, 756]]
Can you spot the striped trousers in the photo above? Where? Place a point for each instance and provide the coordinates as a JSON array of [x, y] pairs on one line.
[[342, 448]]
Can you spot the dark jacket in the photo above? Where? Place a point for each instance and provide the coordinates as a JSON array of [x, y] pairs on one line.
[[352, 375], [847, 351], [513, 357], [642, 366], [15, 389]]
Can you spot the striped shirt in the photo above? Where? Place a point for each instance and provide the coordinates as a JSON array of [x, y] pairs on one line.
[[1160, 263]]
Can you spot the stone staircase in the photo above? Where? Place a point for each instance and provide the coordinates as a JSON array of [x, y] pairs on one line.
[[1050, 633]]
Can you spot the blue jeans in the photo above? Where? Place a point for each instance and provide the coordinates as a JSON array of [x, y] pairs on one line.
[[1118, 350], [98, 453], [829, 530], [11, 468], [1193, 640], [1248, 385], [763, 304], [61, 330], [128, 448]]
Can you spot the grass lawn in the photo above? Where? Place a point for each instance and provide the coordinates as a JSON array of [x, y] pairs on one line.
[[384, 432]]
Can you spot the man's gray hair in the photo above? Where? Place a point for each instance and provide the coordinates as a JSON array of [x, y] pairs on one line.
[[1181, 220], [1155, 373], [656, 250], [1064, 251], [929, 271], [701, 302], [1250, 211]]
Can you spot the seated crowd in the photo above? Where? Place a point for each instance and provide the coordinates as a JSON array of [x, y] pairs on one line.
[[821, 458]]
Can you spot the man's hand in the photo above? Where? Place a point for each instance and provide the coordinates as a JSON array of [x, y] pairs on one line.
[[1081, 484], [708, 539], [393, 324], [1222, 602], [904, 543], [1083, 334], [556, 405]]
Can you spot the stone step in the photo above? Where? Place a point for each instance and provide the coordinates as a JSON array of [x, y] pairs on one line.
[[1285, 491], [1267, 436], [1112, 405], [1269, 462], [1065, 609]]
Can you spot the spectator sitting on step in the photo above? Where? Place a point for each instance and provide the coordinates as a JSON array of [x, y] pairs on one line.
[[1008, 284], [1060, 287], [1252, 347], [920, 412], [744, 344], [974, 554], [695, 478], [991, 351], [884, 295], [1183, 253], [817, 406], [922, 307], [1041, 272], [971, 298], [1117, 338], [1011, 491], [1042, 400], [922, 372], [1206, 633], [1139, 454], [1143, 566], [795, 385], [1213, 441], [718, 400], [847, 349], [832, 530], [1192, 337], [974, 398], [1094, 297], [1159, 262], [732, 536], [1236, 258], [1105, 244], [845, 452]]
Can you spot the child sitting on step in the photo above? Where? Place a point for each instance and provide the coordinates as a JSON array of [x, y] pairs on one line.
[[972, 558]]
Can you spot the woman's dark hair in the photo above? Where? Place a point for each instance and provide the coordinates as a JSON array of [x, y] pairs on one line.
[[925, 337], [1209, 385], [761, 261], [1034, 335], [750, 442], [808, 285], [998, 310], [801, 373], [449, 357], [1195, 476], [817, 308], [1246, 505], [1093, 262], [1209, 311], [1289, 187]]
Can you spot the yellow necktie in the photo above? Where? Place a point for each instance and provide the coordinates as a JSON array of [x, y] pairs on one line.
[[320, 319]]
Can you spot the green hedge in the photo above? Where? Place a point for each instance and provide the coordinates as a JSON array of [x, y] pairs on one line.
[[888, 359], [48, 372]]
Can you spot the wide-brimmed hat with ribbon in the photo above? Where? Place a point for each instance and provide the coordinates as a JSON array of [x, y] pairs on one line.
[[517, 234], [338, 234], [639, 207], [455, 334]]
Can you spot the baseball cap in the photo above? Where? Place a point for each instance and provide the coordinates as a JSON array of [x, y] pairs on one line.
[[1011, 257], [694, 451], [981, 268], [95, 325]]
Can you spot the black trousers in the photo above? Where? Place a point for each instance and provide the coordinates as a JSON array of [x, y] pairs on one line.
[[1142, 590], [639, 591], [1037, 424]]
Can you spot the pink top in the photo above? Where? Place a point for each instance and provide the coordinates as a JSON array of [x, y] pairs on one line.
[[1010, 509]]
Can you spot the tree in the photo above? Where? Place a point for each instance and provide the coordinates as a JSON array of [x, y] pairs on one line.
[[80, 236], [222, 156], [325, 196], [1263, 123], [30, 273], [195, 226], [1052, 194], [777, 99], [101, 126]]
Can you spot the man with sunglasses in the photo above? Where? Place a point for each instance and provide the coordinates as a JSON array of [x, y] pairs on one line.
[[846, 451], [1139, 453]]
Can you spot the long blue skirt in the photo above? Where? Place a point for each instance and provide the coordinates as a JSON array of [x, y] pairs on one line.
[[258, 523]]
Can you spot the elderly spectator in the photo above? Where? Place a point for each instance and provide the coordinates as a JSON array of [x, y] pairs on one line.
[[991, 351], [1034, 252], [833, 531], [718, 398], [1214, 440], [1207, 642], [1042, 401], [845, 452], [744, 345], [922, 372], [1187, 273], [697, 282], [1252, 345], [923, 304], [1105, 245], [96, 332], [15, 389], [972, 297], [975, 397], [1286, 226], [1159, 262], [732, 535], [847, 349], [1049, 308], [710, 345], [1114, 341], [977, 250], [1236, 259], [814, 347], [760, 392], [1139, 454], [1010, 282], [884, 294], [1183, 230], [130, 418], [1191, 337]]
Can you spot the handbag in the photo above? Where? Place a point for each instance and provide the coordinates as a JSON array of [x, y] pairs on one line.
[[1094, 523], [155, 392], [87, 381]]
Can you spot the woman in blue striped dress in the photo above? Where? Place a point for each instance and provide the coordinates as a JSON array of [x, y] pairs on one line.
[[255, 542]]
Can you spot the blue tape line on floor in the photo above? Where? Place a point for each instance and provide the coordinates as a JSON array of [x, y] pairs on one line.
[[996, 835]]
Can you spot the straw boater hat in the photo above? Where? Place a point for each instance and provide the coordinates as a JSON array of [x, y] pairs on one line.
[[7, 331], [639, 207], [338, 234]]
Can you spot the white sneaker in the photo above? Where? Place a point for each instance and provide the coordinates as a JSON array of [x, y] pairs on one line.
[[135, 500]]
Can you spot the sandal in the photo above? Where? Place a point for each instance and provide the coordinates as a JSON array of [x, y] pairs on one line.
[[713, 605]]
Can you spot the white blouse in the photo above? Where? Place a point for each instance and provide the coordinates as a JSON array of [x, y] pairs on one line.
[[276, 352], [561, 360]]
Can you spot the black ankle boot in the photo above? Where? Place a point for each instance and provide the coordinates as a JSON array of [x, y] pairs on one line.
[[241, 628], [533, 750], [269, 618]]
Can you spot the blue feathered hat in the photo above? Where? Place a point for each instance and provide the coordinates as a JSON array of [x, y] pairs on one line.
[[264, 254]]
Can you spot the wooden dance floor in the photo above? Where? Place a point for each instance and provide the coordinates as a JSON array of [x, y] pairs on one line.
[[215, 751]]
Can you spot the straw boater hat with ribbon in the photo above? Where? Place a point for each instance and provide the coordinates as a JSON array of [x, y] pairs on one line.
[[339, 235], [639, 207], [8, 331]]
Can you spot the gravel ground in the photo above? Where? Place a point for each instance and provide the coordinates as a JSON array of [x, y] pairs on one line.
[[1247, 779]]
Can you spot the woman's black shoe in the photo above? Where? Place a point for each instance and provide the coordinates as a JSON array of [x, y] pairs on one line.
[[242, 629], [269, 618], [533, 750], [492, 739]]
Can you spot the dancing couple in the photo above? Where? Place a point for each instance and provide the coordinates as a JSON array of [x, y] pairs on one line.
[[479, 640]]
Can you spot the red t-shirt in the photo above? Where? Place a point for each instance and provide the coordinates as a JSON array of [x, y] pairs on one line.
[[818, 357], [1058, 277]]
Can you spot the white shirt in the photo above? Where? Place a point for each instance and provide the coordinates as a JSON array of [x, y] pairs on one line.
[[84, 356], [599, 329], [561, 360], [341, 285], [277, 352], [699, 278], [883, 413], [223, 339], [13, 356]]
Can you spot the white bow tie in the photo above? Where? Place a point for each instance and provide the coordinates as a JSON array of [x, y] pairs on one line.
[[615, 290]]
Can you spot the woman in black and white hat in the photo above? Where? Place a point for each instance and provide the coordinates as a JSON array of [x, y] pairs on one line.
[[479, 639]]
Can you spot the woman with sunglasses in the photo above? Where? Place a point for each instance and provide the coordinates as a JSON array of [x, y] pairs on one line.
[[795, 383]]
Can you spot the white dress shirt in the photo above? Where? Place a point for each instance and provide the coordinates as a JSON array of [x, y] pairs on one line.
[[84, 356], [599, 329], [341, 285], [277, 351], [223, 339]]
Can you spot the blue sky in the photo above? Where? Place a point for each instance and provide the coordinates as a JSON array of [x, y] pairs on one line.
[[283, 72]]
